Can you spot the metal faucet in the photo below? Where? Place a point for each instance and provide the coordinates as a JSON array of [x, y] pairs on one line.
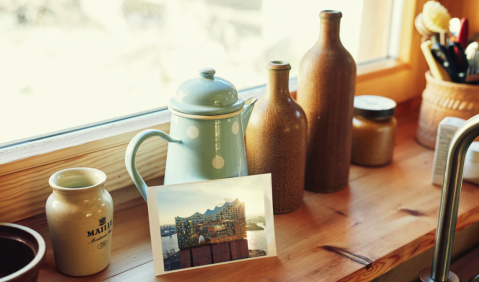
[[451, 190]]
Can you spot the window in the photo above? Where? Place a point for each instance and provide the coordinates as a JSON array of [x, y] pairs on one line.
[[75, 63]]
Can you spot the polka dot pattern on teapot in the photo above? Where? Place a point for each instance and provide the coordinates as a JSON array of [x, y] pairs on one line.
[[218, 162], [235, 127], [192, 132]]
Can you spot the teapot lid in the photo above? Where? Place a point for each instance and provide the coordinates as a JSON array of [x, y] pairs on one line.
[[206, 95]]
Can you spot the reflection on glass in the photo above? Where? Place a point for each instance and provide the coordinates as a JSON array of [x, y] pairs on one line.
[[74, 62]]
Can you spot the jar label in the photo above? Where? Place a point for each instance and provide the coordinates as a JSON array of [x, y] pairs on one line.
[[101, 232]]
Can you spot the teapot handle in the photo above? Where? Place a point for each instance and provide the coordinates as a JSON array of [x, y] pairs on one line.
[[130, 155]]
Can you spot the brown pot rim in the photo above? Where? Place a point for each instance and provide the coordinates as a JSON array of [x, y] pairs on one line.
[[36, 260], [433, 80]]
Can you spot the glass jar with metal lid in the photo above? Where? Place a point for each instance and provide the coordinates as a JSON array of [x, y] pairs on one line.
[[374, 130]]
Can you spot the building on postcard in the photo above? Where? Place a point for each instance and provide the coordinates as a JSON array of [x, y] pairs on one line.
[[213, 236], [239, 249], [221, 252], [201, 255], [185, 258], [220, 225]]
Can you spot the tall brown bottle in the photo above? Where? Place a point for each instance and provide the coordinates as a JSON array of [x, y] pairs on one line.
[[326, 86], [276, 140]]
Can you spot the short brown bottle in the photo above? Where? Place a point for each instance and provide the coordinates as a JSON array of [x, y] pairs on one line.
[[276, 140], [326, 86]]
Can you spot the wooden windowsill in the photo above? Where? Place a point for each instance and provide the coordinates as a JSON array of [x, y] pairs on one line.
[[79, 142], [384, 217], [380, 68], [29, 165], [25, 168]]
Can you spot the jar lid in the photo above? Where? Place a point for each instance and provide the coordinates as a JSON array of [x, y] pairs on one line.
[[473, 152], [206, 95], [370, 106]]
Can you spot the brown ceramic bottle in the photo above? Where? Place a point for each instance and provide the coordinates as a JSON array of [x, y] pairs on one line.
[[326, 85], [276, 140]]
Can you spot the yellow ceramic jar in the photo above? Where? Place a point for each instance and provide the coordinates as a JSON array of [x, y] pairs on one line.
[[374, 130], [80, 220]]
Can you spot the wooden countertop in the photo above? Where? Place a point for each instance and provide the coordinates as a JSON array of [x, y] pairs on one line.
[[386, 216]]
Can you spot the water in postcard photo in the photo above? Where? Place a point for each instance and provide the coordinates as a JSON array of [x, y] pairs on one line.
[[215, 221]]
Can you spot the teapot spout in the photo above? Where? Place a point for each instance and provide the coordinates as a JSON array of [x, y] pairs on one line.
[[248, 109]]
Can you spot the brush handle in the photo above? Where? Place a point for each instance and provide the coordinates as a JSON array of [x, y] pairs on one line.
[[462, 37]]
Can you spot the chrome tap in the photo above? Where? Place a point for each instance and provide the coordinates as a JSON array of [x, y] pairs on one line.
[[451, 190]]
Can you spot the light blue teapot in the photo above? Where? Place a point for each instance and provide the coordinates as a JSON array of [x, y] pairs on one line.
[[207, 129]]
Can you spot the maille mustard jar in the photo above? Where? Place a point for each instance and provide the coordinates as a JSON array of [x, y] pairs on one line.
[[80, 219], [374, 130]]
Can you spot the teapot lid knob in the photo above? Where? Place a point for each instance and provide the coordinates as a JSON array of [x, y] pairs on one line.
[[207, 72], [206, 95]]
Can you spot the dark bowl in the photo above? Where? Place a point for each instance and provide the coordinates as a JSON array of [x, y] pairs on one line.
[[22, 252]]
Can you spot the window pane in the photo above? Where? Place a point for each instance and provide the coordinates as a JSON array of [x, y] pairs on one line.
[[71, 63]]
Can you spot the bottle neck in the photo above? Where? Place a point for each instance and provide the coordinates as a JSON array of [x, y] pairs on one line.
[[278, 85], [329, 31]]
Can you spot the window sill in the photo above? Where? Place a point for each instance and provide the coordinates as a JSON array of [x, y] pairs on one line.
[[11, 154], [380, 68], [386, 216], [25, 168]]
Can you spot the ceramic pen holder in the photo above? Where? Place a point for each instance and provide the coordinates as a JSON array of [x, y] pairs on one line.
[[80, 220], [443, 99]]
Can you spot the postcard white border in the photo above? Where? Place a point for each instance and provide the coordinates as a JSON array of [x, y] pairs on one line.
[[155, 232]]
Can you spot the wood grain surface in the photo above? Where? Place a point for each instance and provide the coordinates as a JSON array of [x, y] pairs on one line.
[[73, 151], [24, 193], [384, 217]]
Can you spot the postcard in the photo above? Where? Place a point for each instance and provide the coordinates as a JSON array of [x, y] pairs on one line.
[[205, 223]]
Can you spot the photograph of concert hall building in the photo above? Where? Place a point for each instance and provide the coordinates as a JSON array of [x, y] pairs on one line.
[[213, 236], [210, 222]]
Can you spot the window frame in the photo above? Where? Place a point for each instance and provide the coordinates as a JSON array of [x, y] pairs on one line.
[[400, 79]]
